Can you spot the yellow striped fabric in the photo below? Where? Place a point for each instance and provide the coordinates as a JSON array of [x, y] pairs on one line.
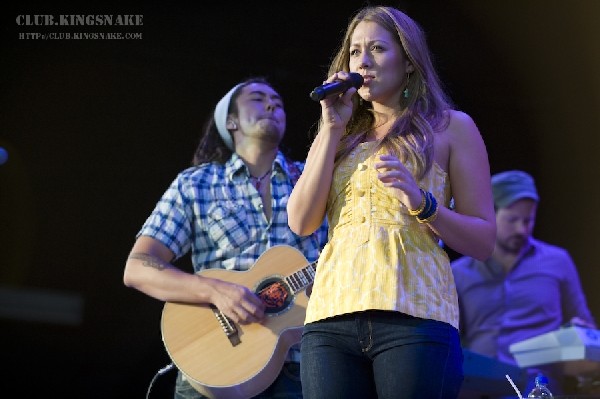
[[378, 256]]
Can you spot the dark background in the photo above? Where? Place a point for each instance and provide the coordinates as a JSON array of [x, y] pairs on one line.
[[97, 129]]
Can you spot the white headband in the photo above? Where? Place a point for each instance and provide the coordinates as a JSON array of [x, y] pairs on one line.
[[221, 112]]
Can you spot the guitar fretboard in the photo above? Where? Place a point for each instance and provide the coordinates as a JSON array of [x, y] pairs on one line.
[[302, 278]]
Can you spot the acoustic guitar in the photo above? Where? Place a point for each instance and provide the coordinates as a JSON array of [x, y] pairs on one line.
[[224, 360]]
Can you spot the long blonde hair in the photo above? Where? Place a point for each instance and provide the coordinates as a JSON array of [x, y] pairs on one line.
[[425, 109]]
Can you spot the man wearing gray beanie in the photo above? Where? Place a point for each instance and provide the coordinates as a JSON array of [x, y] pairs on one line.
[[525, 289]]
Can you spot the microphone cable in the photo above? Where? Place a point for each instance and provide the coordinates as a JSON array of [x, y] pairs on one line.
[[158, 373]]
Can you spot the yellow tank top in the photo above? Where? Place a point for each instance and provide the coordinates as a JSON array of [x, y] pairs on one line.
[[378, 256]]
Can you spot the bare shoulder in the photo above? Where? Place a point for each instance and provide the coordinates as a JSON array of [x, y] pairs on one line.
[[459, 134], [462, 130], [467, 151], [461, 122]]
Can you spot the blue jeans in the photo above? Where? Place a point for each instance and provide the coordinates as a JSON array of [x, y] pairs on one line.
[[286, 386], [379, 354]]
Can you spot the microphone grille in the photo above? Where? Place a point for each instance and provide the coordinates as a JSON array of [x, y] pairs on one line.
[[357, 79]]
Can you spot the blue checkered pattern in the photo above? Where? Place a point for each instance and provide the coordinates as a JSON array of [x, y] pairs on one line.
[[215, 211]]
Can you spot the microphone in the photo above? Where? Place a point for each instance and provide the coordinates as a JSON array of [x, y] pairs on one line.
[[338, 87]]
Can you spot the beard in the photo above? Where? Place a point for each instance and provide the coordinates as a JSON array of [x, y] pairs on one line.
[[513, 244], [269, 129]]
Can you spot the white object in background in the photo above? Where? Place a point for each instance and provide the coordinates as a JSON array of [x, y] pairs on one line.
[[577, 348]]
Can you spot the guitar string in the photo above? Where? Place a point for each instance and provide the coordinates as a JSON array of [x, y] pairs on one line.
[[264, 289]]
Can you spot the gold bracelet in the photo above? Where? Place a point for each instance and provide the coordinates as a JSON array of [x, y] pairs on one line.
[[421, 206]]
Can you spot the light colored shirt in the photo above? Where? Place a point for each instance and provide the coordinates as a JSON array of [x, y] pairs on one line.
[[378, 256], [537, 296], [215, 211]]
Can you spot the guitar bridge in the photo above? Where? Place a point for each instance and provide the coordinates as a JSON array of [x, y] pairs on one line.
[[227, 325]]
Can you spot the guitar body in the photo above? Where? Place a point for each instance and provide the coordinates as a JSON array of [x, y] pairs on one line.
[[222, 360]]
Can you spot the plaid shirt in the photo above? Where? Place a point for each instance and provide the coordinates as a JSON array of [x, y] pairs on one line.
[[215, 211]]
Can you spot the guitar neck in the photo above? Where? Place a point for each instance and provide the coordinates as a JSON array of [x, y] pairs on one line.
[[302, 278]]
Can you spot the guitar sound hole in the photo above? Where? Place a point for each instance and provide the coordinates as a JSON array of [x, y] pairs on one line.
[[275, 294]]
